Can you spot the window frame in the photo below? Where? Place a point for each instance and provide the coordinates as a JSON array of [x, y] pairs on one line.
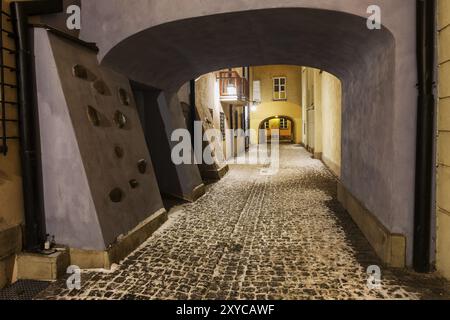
[[284, 124], [277, 84]]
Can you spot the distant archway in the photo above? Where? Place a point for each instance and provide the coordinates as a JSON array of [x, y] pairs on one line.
[[287, 135]]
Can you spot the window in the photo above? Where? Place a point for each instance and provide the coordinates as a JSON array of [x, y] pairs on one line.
[[279, 88], [266, 125], [283, 124]]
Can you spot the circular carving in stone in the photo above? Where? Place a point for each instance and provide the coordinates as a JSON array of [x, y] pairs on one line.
[[124, 97], [142, 166], [101, 88], [118, 151], [116, 195], [80, 71], [120, 119], [134, 184], [93, 116]]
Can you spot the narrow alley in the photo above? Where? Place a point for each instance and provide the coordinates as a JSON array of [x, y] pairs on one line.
[[254, 236]]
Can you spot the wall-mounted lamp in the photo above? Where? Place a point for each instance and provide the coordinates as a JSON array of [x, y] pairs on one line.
[[231, 90]]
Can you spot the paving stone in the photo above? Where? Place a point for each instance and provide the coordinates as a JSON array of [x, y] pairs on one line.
[[255, 236]]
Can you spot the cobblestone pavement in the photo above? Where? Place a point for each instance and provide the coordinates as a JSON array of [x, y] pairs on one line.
[[256, 237]]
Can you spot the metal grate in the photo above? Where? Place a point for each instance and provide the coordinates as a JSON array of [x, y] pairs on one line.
[[23, 290], [5, 121]]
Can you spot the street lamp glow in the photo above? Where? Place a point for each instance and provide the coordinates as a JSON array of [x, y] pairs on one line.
[[231, 90]]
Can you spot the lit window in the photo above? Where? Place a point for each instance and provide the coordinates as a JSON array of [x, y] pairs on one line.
[[279, 88], [283, 124]]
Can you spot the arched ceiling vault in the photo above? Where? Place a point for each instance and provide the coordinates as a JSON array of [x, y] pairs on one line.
[[168, 55]]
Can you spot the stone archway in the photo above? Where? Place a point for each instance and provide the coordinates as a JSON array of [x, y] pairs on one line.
[[179, 46], [289, 119], [168, 55]]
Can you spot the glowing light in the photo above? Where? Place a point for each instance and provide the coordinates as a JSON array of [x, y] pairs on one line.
[[231, 90]]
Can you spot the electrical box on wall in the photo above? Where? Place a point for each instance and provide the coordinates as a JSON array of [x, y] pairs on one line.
[[257, 91]]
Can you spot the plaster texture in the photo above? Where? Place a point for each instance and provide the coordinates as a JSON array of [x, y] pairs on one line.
[[159, 121], [331, 122], [443, 154], [80, 165]]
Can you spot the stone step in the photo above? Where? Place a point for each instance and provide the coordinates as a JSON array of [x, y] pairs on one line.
[[31, 266]]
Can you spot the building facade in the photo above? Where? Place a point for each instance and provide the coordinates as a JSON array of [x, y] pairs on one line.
[[443, 141], [11, 199], [322, 116], [363, 128], [276, 102], [222, 100]]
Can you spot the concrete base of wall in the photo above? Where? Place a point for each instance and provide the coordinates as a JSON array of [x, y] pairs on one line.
[[10, 241], [198, 192], [40, 267], [8, 274], [10, 245], [215, 174], [87, 259], [443, 239], [332, 166], [391, 248]]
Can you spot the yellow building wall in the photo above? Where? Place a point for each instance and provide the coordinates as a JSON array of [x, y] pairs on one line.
[[304, 99], [269, 108], [318, 121], [322, 100], [331, 105], [309, 93], [11, 201], [443, 178]]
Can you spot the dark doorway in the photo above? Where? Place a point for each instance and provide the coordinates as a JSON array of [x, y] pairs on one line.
[[156, 137]]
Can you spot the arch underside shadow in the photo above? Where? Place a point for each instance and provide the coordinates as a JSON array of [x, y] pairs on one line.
[[169, 55]]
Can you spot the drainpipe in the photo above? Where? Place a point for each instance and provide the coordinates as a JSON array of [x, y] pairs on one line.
[[29, 121], [192, 99], [426, 22]]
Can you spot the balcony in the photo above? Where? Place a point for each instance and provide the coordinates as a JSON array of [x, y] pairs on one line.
[[233, 88]]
